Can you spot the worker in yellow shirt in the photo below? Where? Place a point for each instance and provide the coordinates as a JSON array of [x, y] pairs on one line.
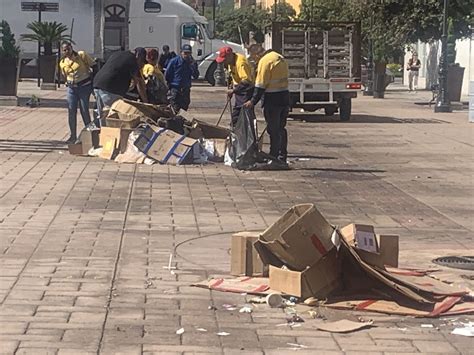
[[272, 80], [242, 78], [154, 79], [77, 69]]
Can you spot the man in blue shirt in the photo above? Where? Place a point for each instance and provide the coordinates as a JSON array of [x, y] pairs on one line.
[[179, 74]]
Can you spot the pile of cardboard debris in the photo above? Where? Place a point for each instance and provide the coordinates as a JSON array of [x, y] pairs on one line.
[[348, 268], [144, 133]]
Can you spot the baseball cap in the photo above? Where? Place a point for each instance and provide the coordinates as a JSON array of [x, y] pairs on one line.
[[186, 48], [223, 52]]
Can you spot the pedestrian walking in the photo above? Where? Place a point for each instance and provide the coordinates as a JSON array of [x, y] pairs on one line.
[[413, 68], [77, 70], [271, 83], [179, 74], [156, 87], [165, 57], [242, 79], [113, 80]]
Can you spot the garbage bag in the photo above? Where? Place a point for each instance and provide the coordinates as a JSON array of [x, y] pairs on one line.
[[243, 149]]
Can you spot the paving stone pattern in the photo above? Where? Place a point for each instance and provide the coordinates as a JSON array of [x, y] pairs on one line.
[[85, 242]]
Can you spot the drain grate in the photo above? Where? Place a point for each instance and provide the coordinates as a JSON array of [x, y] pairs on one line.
[[457, 262]]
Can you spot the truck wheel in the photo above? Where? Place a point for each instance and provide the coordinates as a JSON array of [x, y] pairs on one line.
[[345, 107], [329, 111], [210, 74]]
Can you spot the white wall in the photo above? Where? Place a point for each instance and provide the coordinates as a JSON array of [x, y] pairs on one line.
[[429, 56], [81, 10]]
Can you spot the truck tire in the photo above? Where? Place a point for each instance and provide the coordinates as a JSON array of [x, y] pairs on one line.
[[210, 74], [345, 107]]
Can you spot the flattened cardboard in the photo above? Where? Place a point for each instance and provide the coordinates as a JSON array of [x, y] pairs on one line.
[[319, 280], [300, 237], [166, 146], [123, 114], [253, 285], [150, 110], [244, 258], [342, 326]]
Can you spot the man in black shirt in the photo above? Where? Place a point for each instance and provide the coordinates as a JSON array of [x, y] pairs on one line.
[[113, 80], [165, 57]]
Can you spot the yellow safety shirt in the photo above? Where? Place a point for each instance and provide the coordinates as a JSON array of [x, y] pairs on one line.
[[272, 73], [77, 68], [241, 70]]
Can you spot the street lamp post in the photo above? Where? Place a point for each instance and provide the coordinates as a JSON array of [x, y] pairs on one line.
[[443, 104]]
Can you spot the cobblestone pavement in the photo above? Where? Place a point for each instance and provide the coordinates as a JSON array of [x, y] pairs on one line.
[[84, 241]]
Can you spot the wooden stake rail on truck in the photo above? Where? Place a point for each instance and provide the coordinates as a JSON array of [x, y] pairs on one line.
[[324, 63]]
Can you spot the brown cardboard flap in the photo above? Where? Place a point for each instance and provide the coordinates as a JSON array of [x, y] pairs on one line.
[[300, 237], [244, 258], [150, 110], [318, 280], [201, 129]]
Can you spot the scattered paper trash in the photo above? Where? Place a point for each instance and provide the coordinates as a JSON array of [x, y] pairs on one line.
[[180, 331], [298, 346], [212, 308], [295, 319], [343, 326], [274, 300], [311, 301], [229, 307], [258, 300], [223, 334], [427, 326], [201, 330], [246, 309], [467, 330]]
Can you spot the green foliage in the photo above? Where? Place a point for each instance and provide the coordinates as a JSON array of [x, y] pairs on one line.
[[284, 12], [395, 68], [246, 18], [8, 49], [392, 24], [47, 33]]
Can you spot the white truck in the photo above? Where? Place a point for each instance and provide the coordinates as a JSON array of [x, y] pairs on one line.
[[100, 27], [324, 63]]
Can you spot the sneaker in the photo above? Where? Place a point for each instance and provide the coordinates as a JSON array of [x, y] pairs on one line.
[[92, 127]]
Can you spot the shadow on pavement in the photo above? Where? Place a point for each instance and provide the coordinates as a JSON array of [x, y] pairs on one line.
[[51, 103], [297, 156], [359, 118], [31, 146]]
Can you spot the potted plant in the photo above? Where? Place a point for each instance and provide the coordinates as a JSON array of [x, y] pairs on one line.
[[9, 59], [47, 34], [455, 71]]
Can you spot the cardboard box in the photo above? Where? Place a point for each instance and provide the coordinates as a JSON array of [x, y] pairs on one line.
[[167, 147], [123, 114], [387, 245], [201, 129], [299, 238], [113, 141], [318, 280], [214, 148], [244, 258], [361, 236], [87, 140]]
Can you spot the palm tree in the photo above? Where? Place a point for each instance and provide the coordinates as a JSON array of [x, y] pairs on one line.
[[46, 33]]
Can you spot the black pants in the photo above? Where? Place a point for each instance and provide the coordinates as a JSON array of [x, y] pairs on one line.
[[276, 116], [180, 98], [240, 98]]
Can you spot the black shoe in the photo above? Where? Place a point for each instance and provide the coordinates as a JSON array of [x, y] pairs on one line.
[[71, 140]]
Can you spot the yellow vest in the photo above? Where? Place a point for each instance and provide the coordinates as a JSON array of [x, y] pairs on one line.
[[241, 70], [272, 73]]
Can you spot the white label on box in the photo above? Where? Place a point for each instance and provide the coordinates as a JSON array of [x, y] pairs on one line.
[[366, 241]]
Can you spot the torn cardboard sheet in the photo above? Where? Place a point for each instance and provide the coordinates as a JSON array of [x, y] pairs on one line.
[[343, 326], [253, 285], [466, 330]]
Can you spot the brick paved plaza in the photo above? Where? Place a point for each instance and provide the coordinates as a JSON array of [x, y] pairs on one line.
[[85, 241]]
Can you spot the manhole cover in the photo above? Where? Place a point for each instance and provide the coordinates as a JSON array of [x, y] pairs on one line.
[[457, 262]]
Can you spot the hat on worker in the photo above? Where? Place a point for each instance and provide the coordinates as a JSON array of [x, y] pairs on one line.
[[223, 52], [186, 48]]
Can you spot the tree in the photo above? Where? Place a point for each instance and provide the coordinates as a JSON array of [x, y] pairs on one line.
[[284, 12], [47, 33], [8, 48], [232, 24]]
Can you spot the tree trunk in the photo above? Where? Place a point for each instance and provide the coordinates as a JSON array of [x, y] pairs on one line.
[[379, 79]]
